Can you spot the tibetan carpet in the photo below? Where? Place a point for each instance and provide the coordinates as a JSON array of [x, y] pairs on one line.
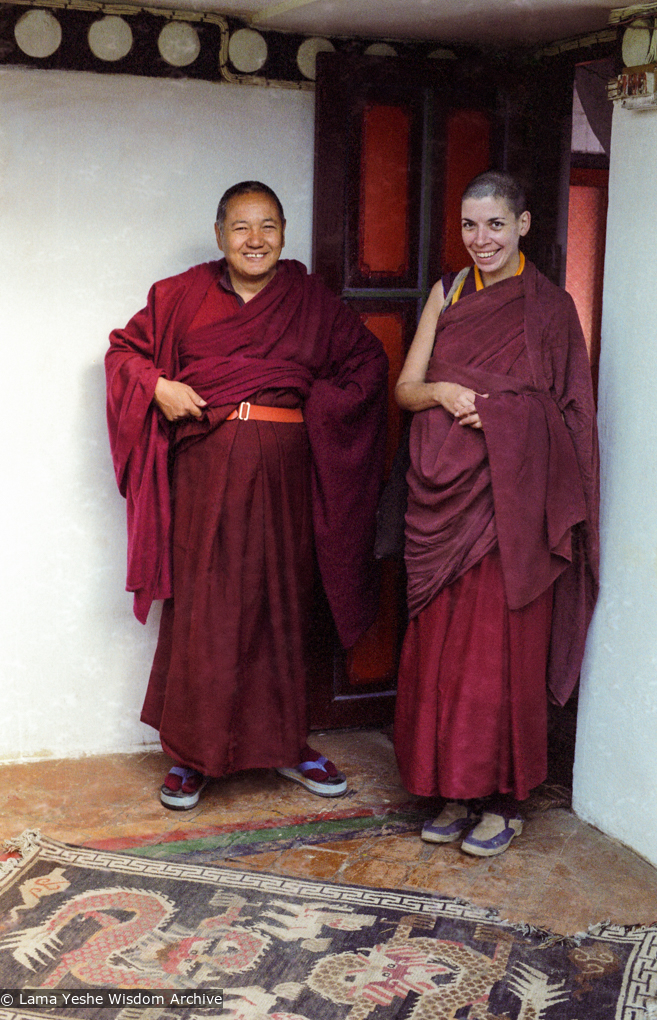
[[171, 936]]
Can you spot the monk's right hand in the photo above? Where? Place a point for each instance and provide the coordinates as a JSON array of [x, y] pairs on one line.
[[177, 400], [459, 401]]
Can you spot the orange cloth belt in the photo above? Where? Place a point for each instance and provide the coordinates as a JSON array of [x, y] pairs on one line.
[[260, 412]]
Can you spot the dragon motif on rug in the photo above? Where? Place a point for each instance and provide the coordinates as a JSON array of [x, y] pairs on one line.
[[142, 949]]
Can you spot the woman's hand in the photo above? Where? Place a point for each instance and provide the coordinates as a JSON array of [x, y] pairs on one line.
[[413, 393], [177, 400], [459, 401]]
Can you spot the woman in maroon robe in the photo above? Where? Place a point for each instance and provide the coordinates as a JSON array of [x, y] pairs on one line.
[[501, 527]]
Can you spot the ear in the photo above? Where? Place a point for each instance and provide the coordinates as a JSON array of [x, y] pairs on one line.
[[220, 242], [525, 221], [283, 234]]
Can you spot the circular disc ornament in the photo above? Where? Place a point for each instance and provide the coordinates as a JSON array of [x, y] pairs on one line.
[[247, 50], [38, 33], [380, 49], [110, 38], [636, 44], [442, 55], [178, 43], [307, 55]]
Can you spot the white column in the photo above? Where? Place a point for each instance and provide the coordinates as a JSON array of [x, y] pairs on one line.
[[616, 758]]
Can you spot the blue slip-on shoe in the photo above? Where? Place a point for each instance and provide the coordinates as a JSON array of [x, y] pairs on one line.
[[492, 836], [326, 781], [182, 788], [451, 823]]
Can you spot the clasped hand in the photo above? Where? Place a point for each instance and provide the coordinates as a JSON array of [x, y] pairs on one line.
[[459, 401], [177, 400]]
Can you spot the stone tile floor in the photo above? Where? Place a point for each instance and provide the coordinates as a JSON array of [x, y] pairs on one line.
[[559, 874]]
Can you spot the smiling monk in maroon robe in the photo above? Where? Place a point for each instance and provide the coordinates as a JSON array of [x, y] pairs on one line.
[[246, 409]]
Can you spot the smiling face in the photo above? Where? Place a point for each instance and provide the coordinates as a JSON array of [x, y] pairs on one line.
[[491, 232], [251, 237]]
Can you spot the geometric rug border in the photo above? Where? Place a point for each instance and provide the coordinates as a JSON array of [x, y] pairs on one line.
[[429, 903]]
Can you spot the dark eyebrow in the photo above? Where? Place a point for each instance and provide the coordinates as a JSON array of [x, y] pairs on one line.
[[240, 223], [492, 219]]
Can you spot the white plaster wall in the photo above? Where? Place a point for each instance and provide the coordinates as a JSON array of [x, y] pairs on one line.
[[616, 760], [107, 183]]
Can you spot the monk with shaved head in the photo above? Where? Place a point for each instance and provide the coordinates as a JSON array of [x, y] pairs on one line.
[[246, 408]]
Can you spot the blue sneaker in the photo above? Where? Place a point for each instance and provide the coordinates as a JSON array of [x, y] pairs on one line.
[[451, 823], [492, 836]]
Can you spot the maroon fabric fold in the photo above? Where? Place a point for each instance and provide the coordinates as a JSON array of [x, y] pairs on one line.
[[139, 435], [537, 492], [528, 481], [450, 522], [294, 334]]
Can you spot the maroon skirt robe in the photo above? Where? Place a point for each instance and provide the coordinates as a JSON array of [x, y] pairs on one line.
[[472, 705], [490, 524], [228, 686]]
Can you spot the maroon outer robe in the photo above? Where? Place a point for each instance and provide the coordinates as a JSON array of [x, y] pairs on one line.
[[524, 491], [227, 689], [294, 333]]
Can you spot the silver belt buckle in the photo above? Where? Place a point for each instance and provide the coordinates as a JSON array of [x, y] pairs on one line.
[[244, 410]]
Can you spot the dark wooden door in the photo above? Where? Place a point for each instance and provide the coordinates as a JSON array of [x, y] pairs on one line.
[[389, 160], [396, 142]]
